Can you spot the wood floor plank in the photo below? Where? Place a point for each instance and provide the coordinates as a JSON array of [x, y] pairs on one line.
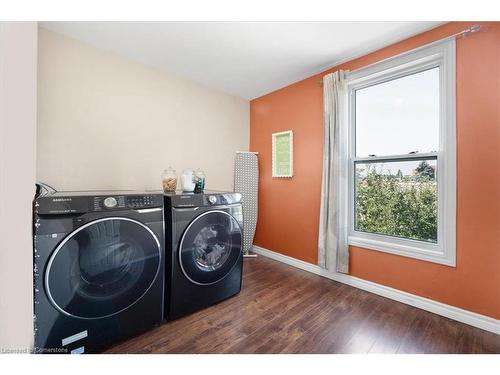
[[292, 327], [285, 310], [160, 340], [397, 323], [367, 332], [235, 322], [331, 326]]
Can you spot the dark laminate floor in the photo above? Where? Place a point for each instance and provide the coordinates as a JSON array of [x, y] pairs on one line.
[[285, 310]]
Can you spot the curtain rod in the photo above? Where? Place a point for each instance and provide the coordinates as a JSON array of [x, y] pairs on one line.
[[464, 33]]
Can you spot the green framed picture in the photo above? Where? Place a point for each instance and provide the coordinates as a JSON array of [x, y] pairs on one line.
[[283, 154]]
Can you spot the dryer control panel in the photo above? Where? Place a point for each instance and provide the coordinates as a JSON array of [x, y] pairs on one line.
[[208, 198]]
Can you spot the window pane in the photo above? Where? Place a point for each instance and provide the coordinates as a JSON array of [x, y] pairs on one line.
[[397, 198], [399, 116]]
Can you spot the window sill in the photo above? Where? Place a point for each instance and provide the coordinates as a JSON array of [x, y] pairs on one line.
[[403, 247]]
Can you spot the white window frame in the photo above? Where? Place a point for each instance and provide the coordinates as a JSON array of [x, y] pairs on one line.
[[442, 55]]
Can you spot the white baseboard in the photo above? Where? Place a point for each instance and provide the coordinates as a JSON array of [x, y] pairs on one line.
[[452, 312]]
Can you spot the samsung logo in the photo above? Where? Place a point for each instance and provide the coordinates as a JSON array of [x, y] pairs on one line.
[[62, 199]]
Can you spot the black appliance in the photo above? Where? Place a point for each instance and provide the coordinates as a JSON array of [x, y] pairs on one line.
[[98, 268], [203, 247]]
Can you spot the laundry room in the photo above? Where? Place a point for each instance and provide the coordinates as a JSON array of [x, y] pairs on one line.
[[248, 186], [119, 124]]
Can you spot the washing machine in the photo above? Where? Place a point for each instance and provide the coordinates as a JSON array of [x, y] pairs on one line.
[[203, 250], [98, 268]]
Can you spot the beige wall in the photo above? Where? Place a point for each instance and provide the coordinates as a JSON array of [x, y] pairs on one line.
[[18, 57], [105, 122]]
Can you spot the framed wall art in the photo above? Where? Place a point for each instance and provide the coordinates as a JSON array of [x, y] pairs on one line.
[[283, 154]]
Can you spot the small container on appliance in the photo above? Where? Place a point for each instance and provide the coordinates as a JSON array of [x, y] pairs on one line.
[[169, 180], [199, 181], [187, 181]]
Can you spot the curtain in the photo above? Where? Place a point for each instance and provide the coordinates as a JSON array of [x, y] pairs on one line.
[[333, 250]]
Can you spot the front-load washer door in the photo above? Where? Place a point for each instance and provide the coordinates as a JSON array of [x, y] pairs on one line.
[[210, 247], [102, 268]]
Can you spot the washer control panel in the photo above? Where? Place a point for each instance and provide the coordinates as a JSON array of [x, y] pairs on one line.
[[142, 201], [72, 203], [118, 202]]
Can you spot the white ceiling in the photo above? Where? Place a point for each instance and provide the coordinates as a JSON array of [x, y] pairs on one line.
[[247, 59]]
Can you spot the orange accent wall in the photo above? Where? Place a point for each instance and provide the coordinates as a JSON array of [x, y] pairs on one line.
[[289, 208]]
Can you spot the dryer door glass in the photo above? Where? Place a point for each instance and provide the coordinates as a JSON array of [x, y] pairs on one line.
[[210, 247], [111, 264]]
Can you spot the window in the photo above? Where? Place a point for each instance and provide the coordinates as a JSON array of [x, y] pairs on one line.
[[401, 157]]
